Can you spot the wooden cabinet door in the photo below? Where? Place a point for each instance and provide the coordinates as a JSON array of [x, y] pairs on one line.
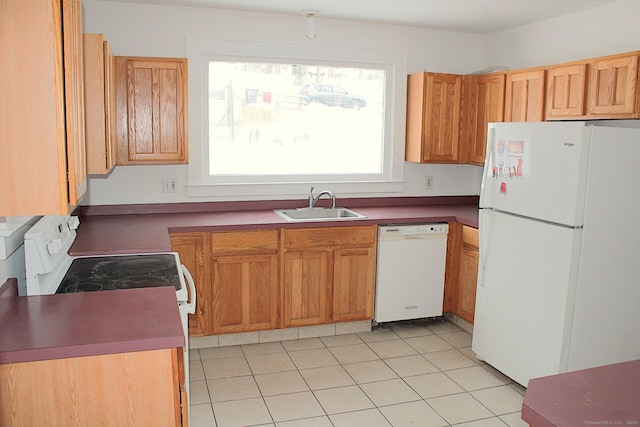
[[486, 105], [74, 99], [191, 249], [442, 125], [99, 105], [613, 86], [329, 274], [433, 117], [245, 293], [244, 280], [307, 278], [566, 88], [524, 98], [468, 278], [354, 283], [122, 389], [152, 110], [41, 108]]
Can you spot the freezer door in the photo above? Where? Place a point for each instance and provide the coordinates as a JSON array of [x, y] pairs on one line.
[[526, 283], [537, 170]]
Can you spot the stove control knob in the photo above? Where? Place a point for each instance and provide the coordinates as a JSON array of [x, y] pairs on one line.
[[54, 246], [74, 222]]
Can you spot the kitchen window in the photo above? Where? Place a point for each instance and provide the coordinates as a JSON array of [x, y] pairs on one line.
[[273, 118]]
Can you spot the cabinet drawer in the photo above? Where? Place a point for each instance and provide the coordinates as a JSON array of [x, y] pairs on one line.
[[236, 242], [329, 237]]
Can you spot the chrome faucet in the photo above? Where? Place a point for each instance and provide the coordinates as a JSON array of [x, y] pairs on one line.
[[314, 199]]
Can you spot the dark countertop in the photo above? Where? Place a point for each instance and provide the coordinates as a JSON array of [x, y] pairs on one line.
[[60, 326], [110, 231], [607, 395], [90, 323]]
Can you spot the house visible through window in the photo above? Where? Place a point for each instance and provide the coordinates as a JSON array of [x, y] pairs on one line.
[[284, 121]]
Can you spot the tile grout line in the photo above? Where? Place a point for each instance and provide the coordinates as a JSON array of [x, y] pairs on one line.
[[367, 343]]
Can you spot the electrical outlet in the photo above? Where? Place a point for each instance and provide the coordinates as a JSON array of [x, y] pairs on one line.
[[169, 185], [428, 183]]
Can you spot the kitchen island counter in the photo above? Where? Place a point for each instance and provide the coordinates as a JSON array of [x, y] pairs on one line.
[[106, 230], [45, 327]]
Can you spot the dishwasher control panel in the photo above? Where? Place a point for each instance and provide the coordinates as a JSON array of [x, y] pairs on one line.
[[424, 229], [410, 230]]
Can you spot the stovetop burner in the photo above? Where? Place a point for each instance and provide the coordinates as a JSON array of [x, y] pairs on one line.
[[120, 272]]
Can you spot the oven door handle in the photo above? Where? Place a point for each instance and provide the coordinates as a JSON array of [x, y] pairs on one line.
[[191, 304]]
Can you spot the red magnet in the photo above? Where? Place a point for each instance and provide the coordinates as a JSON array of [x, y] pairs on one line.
[[503, 188]]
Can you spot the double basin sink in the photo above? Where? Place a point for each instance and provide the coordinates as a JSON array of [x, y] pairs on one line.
[[318, 214]]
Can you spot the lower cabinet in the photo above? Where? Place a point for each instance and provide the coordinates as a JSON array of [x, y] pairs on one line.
[[354, 283], [306, 287], [329, 274], [138, 388], [468, 278], [244, 281], [268, 279], [462, 271], [190, 247]]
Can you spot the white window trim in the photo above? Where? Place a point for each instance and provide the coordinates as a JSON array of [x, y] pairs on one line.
[[201, 50]]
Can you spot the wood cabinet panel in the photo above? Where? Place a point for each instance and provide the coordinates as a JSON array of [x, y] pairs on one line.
[[566, 89], [74, 99], [138, 388], [245, 293], [329, 237], [99, 98], [433, 117], [328, 274], [191, 249], [524, 98], [612, 86], [484, 104], [152, 110], [260, 241], [353, 284], [307, 277], [42, 134], [461, 275], [244, 271], [468, 274]]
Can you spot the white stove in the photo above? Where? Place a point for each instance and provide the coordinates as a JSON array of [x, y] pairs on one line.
[[51, 270]]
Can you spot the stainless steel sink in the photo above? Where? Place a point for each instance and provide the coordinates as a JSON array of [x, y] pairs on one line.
[[318, 214]]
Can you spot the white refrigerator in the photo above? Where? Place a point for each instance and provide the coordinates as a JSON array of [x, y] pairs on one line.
[[559, 268]]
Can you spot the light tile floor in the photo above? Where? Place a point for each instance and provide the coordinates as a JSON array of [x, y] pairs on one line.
[[418, 373]]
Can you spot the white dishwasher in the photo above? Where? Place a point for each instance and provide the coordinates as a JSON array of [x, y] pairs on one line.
[[410, 271]]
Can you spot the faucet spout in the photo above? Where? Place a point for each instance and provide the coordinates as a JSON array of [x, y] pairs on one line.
[[314, 199]]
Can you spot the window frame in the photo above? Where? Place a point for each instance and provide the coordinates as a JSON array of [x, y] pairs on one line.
[[202, 50]]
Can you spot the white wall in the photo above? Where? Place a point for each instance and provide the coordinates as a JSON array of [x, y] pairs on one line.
[[137, 29], [605, 30], [147, 30]]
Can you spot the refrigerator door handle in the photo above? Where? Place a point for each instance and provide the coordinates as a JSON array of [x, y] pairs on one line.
[[487, 172], [484, 228]]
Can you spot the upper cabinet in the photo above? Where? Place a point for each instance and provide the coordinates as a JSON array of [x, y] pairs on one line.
[[42, 136], [599, 88], [524, 99], [566, 88], [612, 89], [99, 95], [433, 117], [483, 103], [151, 103]]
